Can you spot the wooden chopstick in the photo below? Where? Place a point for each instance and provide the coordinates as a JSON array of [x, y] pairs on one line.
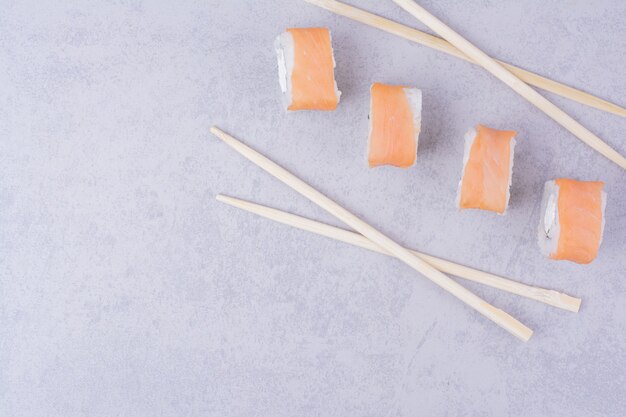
[[498, 316], [512, 81], [551, 297], [442, 45]]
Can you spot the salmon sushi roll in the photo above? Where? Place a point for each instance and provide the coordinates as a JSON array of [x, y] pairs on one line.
[[395, 123], [306, 69], [487, 169], [572, 220]]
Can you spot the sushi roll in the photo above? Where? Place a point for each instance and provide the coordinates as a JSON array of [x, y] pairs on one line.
[[572, 220], [306, 69], [487, 169], [395, 123]]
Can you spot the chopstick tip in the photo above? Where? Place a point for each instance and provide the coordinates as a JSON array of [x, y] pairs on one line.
[[575, 303], [221, 198], [231, 201]]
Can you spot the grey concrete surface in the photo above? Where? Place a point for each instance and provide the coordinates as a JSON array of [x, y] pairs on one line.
[[127, 290]]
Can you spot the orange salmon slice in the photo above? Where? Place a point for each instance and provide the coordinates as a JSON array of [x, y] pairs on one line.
[[393, 134], [580, 220], [485, 182], [313, 76]]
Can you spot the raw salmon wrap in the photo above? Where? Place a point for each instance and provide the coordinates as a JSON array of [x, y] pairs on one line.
[[487, 169], [572, 220], [306, 69], [395, 123]]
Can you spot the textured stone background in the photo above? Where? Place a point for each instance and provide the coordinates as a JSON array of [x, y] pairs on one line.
[[127, 290]]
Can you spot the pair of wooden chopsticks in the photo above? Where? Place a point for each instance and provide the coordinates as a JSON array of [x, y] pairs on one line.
[[371, 238], [512, 76], [551, 297]]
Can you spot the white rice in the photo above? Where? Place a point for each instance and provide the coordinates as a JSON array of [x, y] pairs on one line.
[[332, 52], [603, 197], [371, 118], [511, 162], [285, 54], [414, 97], [469, 137], [549, 229]]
